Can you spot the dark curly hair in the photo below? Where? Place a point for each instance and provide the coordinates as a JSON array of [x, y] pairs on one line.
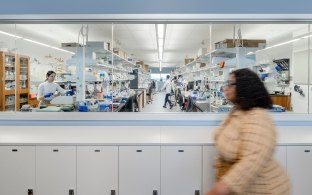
[[250, 90]]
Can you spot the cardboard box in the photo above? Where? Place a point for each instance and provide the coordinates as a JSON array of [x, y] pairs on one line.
[[230, 43], [116, 50], [140, 64], [146, 67], [188, 60]]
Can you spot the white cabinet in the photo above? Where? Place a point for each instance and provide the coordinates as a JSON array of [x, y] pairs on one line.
[[97, 170], [56, 170], [299, 162], [139, 170], [17, 170], [181, 170], [280, 155], [209, 155]]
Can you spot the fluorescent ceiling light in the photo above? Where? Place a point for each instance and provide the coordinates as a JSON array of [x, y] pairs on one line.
[[160, 38], [286, 42], [9, 34], [36, 42], [160, 30]]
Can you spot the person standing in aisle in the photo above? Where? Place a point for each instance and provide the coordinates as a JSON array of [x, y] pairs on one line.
[[174, 89], [167, 86], [47, 90], [246, 140]]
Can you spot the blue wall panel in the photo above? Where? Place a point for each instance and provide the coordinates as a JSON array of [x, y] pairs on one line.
[[156, 7]]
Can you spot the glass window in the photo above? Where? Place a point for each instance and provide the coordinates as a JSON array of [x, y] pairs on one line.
[[106, 67]]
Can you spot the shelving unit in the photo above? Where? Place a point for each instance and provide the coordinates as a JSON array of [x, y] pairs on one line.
[[213, 74], [15, 81], [99, 59]]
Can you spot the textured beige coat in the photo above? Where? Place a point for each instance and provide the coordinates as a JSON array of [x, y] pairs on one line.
[[248, 138]]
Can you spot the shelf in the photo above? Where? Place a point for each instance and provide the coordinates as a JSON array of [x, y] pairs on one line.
[[109, 67], [216, 81], [10, 104], [9, 92], [63, 73], [116, 58]]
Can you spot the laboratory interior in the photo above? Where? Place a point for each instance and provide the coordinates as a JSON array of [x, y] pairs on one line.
[[123, 67]]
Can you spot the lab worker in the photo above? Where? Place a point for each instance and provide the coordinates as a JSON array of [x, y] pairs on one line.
[[168, 88], [48, 89]]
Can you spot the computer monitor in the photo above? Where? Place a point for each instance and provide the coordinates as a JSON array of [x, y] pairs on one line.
[[190, 85]]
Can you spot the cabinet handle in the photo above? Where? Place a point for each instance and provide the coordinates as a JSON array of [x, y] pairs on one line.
[[97, 150], [306, 150], [180, 150], [71, 192], [155, 192], [55, 150], [14, 150], [113, 192], [138, 150], [197, 192], [30, 192]]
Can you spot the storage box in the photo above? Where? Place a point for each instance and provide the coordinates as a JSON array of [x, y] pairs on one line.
[[140, 64], [230, 43], [188, 60], [116, 50], [146, 67], [99, 44], [71, 45]]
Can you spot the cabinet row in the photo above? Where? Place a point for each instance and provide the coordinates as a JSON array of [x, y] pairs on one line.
[[127, 170]]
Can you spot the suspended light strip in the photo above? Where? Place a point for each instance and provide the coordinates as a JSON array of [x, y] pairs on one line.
[[286, 42], [160, 37], [9, 34], [36, 42]]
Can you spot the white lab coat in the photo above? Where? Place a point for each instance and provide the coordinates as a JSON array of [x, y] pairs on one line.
[[167, 85], [47, 87]]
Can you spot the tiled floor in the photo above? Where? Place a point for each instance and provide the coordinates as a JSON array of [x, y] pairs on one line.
[[157, 104]]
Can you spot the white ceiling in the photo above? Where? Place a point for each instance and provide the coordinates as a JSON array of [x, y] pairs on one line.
[[182, 40]]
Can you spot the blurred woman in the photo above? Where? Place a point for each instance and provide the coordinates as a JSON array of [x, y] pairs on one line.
[[246, 141]]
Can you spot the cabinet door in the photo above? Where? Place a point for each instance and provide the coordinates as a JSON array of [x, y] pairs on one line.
[[280, 155], [181, 170], [17, 170], [139, 170], [97, 170], [56, 170], [299, 161], [209, 155]]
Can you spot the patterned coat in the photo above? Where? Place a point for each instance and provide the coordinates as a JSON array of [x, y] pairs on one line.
[[245, 142]]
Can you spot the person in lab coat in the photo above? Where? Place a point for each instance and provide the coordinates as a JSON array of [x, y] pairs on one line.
[[168, 88], [47, 90]]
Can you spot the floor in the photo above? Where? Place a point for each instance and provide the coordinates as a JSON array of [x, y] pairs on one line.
[[158, 102]]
